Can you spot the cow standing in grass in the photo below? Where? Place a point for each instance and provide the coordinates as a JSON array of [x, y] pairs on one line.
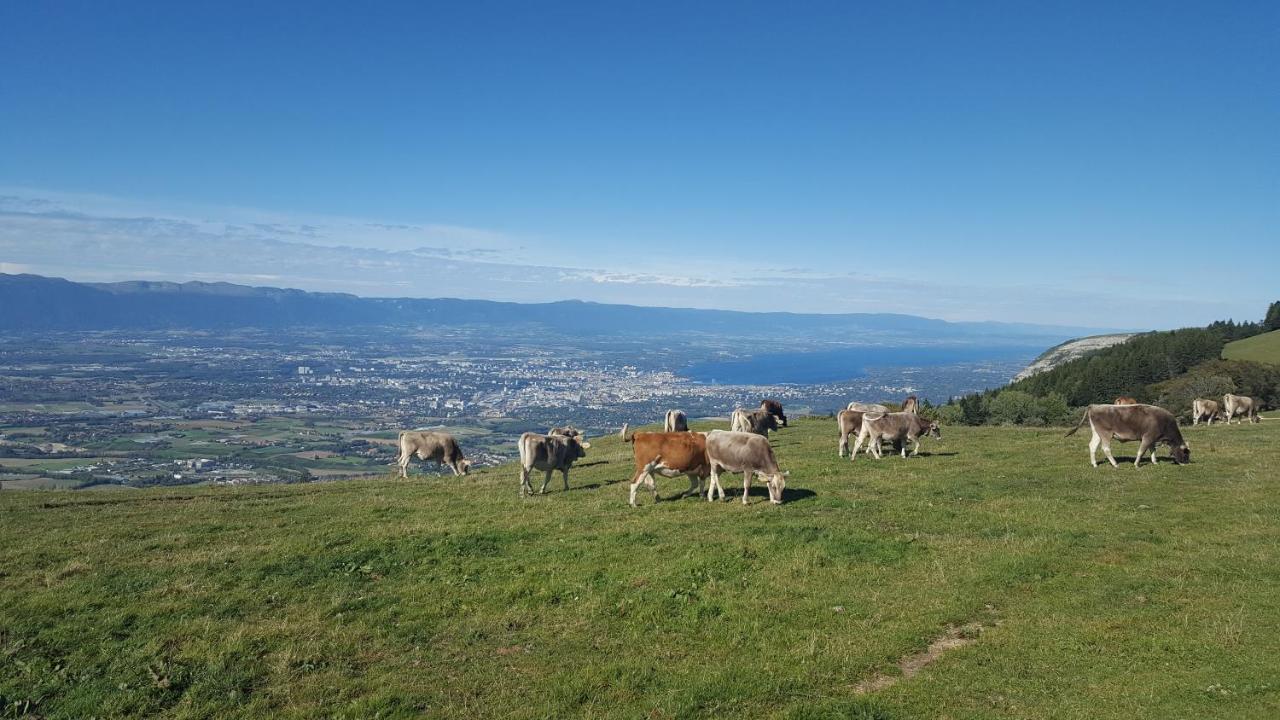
[[758, 422], [427, 445], [1148, 424], [774, 408], [669, 454], [1202, 409], [900, 427], [548, 453], [675, 421], [1235, 406], [748, 454]]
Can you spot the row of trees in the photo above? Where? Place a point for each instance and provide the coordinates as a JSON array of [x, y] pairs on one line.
[[1169, 368]]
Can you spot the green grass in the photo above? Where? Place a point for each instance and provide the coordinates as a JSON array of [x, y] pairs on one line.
[[1264, 348], [1149, 593]]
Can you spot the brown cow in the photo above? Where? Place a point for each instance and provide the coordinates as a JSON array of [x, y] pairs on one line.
[[1148, 424], [1202, 409], [438, 446], [758, 422], [1236, 405], [901, 427], [669, 454], [675, 421], [745, 453], [850, 422], [1123, 400], [774, 408], [911, 405], [548, 453]]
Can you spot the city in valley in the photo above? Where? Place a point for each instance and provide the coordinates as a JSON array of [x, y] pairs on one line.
[[145, 408]]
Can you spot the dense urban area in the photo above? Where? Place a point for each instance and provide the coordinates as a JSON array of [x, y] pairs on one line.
[[137, 408]]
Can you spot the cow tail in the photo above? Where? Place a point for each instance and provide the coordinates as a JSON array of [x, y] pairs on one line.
[[1080, 424]]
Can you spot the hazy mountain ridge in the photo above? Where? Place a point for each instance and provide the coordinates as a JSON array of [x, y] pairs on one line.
[[33, 302]]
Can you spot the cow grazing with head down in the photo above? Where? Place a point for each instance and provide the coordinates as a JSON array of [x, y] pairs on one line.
[[438, 446], [850, 423], [758, 422], [548, 453], [748, 454], [675, 421], [1235, 406], [1202, 409], [1148, 424], [774, 408], [900, 427], [669, 454], [1122, 400]]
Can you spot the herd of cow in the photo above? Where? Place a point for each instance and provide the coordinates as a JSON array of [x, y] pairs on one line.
[[745, 448]]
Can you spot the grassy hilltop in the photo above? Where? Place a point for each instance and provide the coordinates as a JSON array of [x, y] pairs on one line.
[[1264, 348], [1057, 590]]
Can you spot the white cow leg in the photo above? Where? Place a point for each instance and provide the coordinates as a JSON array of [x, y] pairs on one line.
[[844, 444], [746, 484], [1106, 449], [524, 482], [545, 482], [1142, 450], [1093, 449], [1153, 456]]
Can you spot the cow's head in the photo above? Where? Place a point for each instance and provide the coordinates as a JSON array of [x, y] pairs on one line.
[[1181, 453], [463, 466], [777, 483], [580, 446], [770, 423]]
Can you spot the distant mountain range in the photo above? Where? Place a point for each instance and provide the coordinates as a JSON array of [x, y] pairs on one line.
[[33, 302]]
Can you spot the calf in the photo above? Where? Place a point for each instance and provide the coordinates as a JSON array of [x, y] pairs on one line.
[[669, 454], [1148, 424], [774, 408], [676, 421], [745, 453], [438, 446], [548, 453], [1202, 409], [758, 422], [900, 427], [1236, 405]]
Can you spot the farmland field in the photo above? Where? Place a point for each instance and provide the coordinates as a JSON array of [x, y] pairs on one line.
[[1047, 588], [1264, 348]]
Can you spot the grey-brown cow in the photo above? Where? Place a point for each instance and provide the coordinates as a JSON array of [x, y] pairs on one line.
[[867, 407], [1202, 409], [566, 431], [745, 453], [850, 423], [427, 445], [548, 453], [900, 427], [1234, 406], [1148, 424], [675, 421], [758, 422]]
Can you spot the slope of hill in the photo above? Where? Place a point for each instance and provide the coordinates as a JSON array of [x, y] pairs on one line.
[[1044, 587], [33, 302], [1070, 350], [1264, 348]]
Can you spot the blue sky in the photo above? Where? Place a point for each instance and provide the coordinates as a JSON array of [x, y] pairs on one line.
[[1080, 163]]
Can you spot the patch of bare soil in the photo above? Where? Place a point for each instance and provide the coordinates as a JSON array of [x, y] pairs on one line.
[[910, 665]]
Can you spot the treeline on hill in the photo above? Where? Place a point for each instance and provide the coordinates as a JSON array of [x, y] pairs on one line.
[[1169, 369]]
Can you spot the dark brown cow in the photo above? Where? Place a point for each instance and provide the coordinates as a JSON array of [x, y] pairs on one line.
[[1122, 400], [745, 453], [548, 453], [758, 422], [900, 427], [774, 408], [566, 431], [669, 454], [438, 446], [1148, 424]]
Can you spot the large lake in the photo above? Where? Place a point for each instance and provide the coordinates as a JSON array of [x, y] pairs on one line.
[[826, 366]]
